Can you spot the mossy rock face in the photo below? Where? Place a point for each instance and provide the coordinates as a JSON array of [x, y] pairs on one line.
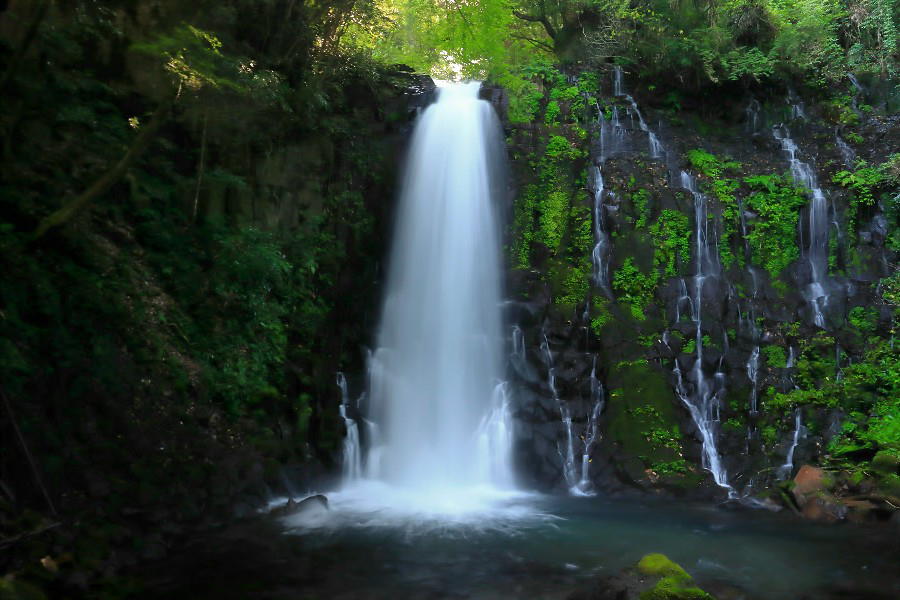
[[643, 426]]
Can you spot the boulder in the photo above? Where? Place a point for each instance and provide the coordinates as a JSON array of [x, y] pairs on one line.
[[808, 482], [655, 577], [824, 507]]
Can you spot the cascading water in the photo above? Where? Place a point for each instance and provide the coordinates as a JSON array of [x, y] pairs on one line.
[[656, 147], [567, 454], [585, 487], [435, 382], [817, 247], [847, 153], [784, 471], [600, 255], [352, 456], [702, 396], [752, 375], [752, 120]]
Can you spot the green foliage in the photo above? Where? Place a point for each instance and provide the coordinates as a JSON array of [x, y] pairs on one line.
[[551, 114], [690, 346], [869, 393], [863, 183], [524, 100], [864, 320], [709, 164], [600, 314], [775, 356], [723, 188], [839, 110], [772, 234], [640, 199], [552, 221], [634, 287], [558, 147], [671, 235]]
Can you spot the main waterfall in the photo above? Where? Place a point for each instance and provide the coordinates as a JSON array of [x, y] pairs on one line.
[[435, 388]]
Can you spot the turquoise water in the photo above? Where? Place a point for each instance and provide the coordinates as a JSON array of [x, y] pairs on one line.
[[547, 551]]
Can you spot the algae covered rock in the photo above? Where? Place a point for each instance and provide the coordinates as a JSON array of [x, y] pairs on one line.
[[674, 588], [662, 565], [675, 582]]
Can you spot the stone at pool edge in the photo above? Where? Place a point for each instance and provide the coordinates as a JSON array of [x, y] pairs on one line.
[[654, 577], [309, 505]]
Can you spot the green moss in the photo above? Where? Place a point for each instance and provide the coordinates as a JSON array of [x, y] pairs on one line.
[[671, 235], [674, 584], [643, 422], [634, 287], [600, 314], [674, 588], [640, 200], [773, 233], [775, 356], [552, 219], [723, 189], [864, 184], [661, 565]]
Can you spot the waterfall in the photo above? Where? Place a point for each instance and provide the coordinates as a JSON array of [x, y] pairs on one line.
[[568, 453], [847, 153], [752, 374], [600, 255], [436, 395], [585, 487], [702, 396], [352, 456], [817, 248], [656, 147], [785, 470], [751, 113], [797, 109]]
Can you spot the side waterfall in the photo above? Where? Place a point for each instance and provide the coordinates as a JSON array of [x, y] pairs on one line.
[[435, 382], [702, 397], [817, 248]]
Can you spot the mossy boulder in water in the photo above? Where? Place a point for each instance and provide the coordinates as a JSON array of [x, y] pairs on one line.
[[661, 565], [672, 588], [675, 583], [655, 577]]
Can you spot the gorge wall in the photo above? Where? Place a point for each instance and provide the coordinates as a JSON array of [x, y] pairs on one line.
[[653, 232]]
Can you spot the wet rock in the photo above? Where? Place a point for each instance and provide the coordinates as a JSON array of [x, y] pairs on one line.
[[860, 511], [824, 507], [308, 507], [808, 482]]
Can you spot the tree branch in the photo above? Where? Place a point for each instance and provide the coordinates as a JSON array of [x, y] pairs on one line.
[[109, 179], [542, 19], [539, 43]]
